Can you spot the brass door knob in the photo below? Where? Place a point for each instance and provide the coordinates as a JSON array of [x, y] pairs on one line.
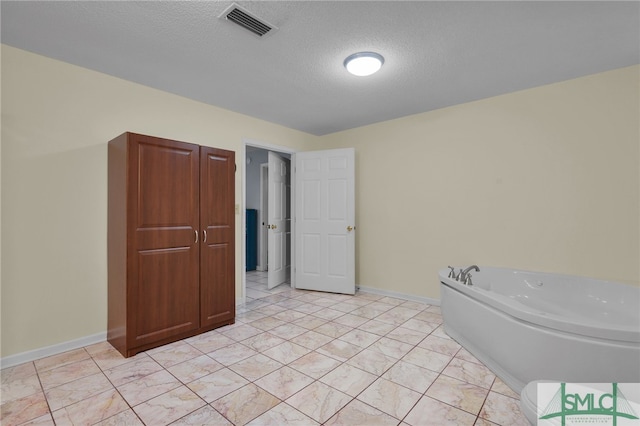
[[350, 228]]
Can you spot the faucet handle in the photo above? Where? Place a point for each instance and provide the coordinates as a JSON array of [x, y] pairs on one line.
[[467, 279], [452, 272]]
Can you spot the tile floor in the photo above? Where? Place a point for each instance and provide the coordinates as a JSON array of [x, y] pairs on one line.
[[292, 358]]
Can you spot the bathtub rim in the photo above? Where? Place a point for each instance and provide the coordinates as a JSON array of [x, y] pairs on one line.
[[592, 329]]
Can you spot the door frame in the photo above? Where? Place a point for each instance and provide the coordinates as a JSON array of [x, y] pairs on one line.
[[242, 206], [262, 218]]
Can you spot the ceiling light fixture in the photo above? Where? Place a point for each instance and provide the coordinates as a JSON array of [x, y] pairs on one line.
[[363, 63]]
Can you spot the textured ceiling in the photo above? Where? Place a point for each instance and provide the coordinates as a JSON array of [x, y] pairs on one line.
[[436, 53]]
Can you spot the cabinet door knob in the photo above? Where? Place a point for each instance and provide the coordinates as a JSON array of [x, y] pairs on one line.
[[204, 236], [196, 231]]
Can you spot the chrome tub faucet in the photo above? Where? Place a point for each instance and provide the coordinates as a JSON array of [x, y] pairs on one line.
[[464, 276]]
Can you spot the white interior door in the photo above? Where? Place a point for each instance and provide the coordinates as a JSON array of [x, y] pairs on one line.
[[279, 221], [324, 220]]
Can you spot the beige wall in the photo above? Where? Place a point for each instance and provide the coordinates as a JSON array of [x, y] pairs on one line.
[[544, 179], [56, 122]]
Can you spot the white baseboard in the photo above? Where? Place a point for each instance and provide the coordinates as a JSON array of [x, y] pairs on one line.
[[21, 358], [397, 295]]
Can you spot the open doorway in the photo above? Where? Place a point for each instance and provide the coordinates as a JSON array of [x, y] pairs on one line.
[[267, 221]]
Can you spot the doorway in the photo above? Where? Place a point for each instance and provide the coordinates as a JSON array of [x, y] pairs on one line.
[[267, 197]]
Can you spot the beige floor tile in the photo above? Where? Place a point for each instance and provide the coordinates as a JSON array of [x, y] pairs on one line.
[[457, 393], [255, 367], [218, 384], [503, 410], [61, 360], [111, 358], [210, 342], [429, 316], [286, 352], [287, 331], [284, 382], [92, 410], [328, 314], [245, 404], [397, 315], [169, 406], [306, 308], [195, 368], [242, 332], [206, 415], [131, 371], [392, 348], [315, 364], [430, 412], [391, 301], [419, 325], [440, 345], [427, 359], [377, 327], [290, 315], [67, 373], [176, 355], [18, 372], [18, 382], [333, 329], [351, 320], [128, 418], [310, 322], [77, 390], [339, 349], [406, 335], [267, 323], [357, 413], [390, 397], [148, 387], [501, 387], [417, 378], [283, 414], [45, 420], [348, 379], [470, 372], [232, 354], [319, 401], [24, 409], [372, 361], [360, 337], [312, 339]]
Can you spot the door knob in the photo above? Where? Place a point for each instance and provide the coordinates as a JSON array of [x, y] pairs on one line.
[[350, 228], [272, 227]]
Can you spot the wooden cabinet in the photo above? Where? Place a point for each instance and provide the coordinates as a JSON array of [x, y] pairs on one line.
[[171, 223]]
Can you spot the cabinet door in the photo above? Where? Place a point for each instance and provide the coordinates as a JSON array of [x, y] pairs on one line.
[[163, 226], [217, 219]]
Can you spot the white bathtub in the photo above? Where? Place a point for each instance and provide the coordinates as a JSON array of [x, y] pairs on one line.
[[529, 326]]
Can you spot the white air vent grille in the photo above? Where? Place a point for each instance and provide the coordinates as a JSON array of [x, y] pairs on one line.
[[246, 20]]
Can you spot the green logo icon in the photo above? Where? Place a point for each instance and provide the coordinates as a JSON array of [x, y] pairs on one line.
[[589, 403]]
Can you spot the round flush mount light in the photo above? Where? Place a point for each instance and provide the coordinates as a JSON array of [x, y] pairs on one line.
[[363, 63]]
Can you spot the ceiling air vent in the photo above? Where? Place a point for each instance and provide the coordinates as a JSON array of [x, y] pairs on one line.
[[237, 15]]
